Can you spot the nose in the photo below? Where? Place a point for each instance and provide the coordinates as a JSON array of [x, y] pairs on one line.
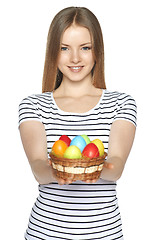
[[75, 56]]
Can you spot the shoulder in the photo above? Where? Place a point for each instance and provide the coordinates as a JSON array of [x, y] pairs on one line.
[[32, 107], [36, 98], [118, 97], [125, 107]]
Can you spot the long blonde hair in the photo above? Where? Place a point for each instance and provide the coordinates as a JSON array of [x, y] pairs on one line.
[[81, 16]]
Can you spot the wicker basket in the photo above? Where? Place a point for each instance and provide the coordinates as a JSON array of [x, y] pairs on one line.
[[78, 169]]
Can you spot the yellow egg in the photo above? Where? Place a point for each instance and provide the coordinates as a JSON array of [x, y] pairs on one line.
[[100, 146]]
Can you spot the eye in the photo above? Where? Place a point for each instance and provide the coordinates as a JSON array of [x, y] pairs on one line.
[[86, 48], [64, 48]]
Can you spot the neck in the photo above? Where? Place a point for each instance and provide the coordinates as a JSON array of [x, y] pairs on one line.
[[75, 89]]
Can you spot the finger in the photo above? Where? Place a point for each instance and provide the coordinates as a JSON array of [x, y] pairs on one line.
[[94, 180], [91, 181], [49, 162], [87, 181], [68, 182], [61, 181]]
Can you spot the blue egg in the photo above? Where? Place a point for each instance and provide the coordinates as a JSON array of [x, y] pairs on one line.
[[79, 142]]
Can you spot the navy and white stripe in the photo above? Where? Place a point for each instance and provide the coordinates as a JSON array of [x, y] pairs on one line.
[[79, 210]]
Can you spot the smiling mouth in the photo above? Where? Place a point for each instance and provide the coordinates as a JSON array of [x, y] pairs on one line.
[[75, 68]]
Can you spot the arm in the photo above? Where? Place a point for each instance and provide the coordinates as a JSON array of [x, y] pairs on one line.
[[120, 142], [35, 145]]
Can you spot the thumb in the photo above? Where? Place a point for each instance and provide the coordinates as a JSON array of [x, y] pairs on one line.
[[108, 165]]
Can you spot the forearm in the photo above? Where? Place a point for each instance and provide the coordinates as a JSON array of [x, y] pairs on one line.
[[42, 171], [113, 170]]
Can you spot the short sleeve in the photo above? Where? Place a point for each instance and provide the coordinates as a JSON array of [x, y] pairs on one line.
[[126, 109], [28, 110]]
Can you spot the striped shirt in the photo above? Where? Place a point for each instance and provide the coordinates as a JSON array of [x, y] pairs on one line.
[[79, 210]]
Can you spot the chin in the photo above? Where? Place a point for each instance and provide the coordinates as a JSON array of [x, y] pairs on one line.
[[77, 78]]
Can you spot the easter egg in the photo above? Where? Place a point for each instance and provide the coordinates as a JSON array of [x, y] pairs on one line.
[[59, 147], [90, 151], [73, 152], [79, 142], [66, 139], [100, 146], [86, 138]]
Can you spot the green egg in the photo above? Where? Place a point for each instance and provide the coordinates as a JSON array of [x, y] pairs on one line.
[[86, 138]]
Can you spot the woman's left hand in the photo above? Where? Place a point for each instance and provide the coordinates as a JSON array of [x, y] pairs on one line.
[[106, 165]]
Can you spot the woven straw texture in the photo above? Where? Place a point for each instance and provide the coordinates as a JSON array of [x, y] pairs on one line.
[[78, 169]]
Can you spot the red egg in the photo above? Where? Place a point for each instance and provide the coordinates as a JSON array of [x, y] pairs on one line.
[[90, 151], [66, 139]]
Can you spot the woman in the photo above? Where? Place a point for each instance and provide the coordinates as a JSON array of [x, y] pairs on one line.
[[75, 102]]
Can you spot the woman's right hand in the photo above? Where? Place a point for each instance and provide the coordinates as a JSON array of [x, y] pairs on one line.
[[60, 181]]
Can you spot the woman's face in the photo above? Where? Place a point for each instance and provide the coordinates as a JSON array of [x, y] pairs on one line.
[[76, 57]]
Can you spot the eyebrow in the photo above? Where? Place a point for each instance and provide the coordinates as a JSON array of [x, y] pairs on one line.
[[80, 44]]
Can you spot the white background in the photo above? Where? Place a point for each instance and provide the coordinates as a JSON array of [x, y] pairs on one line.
[[131, 32]]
